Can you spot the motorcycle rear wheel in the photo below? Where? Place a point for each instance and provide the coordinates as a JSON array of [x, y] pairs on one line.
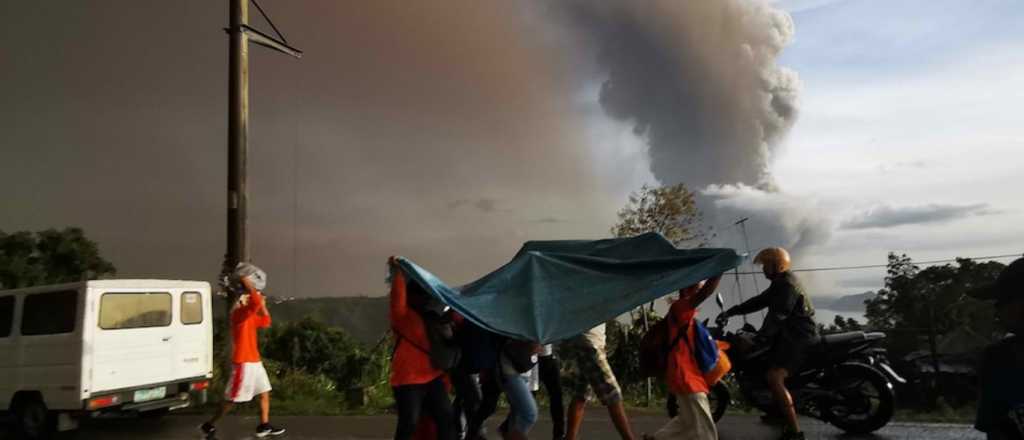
[[866, 401]]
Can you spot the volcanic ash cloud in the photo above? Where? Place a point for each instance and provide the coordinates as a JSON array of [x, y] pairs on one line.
[[699, 82]]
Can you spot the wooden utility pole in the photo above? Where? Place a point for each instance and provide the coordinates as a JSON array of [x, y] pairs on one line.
[[240, 34], [238, 133]]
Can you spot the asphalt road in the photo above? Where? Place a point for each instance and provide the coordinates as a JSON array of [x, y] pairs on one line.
[[596, 427]]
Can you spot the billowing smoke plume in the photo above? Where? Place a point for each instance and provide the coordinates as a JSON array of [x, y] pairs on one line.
[[698, 80]]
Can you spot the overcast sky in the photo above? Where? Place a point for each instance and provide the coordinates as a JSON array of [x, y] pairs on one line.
[[452, 134]]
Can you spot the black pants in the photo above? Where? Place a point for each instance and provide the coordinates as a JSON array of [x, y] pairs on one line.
[[549, 372], [431, 398], [672, 405], [491, 389], [468, 395]]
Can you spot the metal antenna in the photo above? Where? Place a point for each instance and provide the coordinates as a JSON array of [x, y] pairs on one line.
[[746, 241], [739, 290]]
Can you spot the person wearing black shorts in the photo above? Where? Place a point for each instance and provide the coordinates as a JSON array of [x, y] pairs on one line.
[[788, 329]]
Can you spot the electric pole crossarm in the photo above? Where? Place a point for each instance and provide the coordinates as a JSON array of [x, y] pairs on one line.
[[270, 42]]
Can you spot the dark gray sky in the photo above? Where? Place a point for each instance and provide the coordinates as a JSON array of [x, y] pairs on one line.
[[439, 133], [449, 134], [452, 132]]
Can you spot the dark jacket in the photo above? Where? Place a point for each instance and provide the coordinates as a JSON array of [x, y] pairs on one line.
[[479, 348], [1001, 405], [790, 313]]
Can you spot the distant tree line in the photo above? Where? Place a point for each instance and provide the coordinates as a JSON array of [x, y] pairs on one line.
[[51, 256], [917, 309], [322, 364]]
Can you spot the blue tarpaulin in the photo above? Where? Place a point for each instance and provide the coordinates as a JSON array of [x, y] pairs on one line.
[[553, 290]]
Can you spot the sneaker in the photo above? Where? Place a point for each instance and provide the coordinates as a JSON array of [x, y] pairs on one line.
[[266, 429], [208, 428]]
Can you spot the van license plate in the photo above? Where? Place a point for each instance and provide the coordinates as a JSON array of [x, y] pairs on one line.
[[150, 394]]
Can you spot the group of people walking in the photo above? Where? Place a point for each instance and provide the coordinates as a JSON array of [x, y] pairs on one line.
[[489, 365], [437, 350]]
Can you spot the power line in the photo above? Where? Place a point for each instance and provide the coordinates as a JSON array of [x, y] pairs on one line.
[[271, 22], [875, 266]]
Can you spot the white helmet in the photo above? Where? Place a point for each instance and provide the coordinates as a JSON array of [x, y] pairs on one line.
[[257, 277]]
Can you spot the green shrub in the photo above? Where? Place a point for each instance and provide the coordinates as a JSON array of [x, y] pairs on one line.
[[312, 367], [311, 346]]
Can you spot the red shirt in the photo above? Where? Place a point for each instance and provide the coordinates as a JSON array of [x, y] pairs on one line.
[[683, 376], [411, 364], [245, 321]]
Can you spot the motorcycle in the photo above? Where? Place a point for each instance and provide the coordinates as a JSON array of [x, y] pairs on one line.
[[846, 380]]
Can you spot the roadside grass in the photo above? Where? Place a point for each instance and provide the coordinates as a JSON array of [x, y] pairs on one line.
[[298, 393]]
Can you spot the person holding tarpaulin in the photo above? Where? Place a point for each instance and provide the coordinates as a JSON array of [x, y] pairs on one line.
[[789, 329], [684, 378], [516, 360], [417, 384], [472, 380], [546, 371], [589, 371]]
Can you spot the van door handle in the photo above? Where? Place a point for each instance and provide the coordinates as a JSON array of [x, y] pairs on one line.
[[166, 338]]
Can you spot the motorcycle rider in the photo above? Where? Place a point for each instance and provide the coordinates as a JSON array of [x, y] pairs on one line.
[[789, 329]]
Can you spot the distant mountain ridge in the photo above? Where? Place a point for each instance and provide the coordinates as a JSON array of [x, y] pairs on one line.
[[846, 303], [364, 318]]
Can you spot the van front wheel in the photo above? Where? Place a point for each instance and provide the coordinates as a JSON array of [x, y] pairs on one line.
[[34, 420]]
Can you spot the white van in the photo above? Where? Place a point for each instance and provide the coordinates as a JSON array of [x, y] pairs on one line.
[[76, 349]]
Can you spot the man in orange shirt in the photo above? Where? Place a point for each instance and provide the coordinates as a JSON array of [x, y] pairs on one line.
[[248, 377]]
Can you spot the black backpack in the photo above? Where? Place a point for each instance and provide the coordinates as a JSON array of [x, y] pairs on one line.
[[520, 354], [444, 352], [654, 349]]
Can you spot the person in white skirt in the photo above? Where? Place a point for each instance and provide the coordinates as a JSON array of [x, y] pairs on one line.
[[248, 377]]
